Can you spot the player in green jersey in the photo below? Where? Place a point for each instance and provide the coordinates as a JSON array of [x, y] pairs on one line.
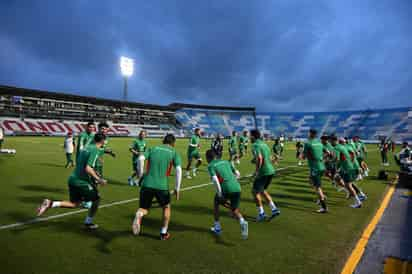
[[313, 151], [82, 183], [347, 173], [103, 128], [85, 138], [263, 175], [193, 153], [246, 138], [361, 153], [243, 140], [328, 157], [160, 160], [299, 152], [350, 146], [276, 149], [233, 155], [138, 150], [224, 177]]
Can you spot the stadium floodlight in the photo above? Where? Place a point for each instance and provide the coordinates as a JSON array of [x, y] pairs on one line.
[[127, 69]]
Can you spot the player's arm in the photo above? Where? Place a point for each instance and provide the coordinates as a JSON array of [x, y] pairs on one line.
[[215, 181], [91, 162], [235, 171], [177, 162]]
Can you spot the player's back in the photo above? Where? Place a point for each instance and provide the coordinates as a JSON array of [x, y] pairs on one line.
[[83, 160], [225, 173], [344, 157]]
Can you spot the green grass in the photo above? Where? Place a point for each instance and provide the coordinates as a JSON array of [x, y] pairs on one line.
[[298, 241]]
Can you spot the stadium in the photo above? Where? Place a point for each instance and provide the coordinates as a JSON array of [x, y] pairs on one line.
[[205, 137]]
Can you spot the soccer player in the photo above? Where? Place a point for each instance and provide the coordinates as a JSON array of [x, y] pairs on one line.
[[384, 147], [103, 128], [1, 137], [193, 153], [69, 146], [282, 144], [154, 185], [233, 155], [217, 146], [224, 177], [328, 157], [350, 146], [138, 150], [85, 138], [299, 152], [264, 175], [347, 173], [242, 144], [82, 183], [276, 149], [246, 138], [361, 153], [313, 151]]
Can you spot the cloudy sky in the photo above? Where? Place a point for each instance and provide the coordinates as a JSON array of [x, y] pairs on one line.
[[282, 55]]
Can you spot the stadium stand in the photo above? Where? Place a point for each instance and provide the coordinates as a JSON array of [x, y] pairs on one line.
[[34, 112]]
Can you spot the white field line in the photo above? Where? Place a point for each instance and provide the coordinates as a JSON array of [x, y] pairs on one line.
[[57, 216]]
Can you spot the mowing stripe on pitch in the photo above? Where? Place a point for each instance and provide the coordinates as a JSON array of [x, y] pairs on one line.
[[359, 249], [43, 219]]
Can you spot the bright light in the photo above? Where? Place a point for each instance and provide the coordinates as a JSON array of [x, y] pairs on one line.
[[126, 66]]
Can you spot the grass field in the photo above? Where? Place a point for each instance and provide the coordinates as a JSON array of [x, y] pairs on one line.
[[298, 241]]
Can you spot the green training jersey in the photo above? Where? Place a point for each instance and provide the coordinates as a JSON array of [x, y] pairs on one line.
[[194, 143], [330, 150], [87, 157], [84, 140], [276, 148], [313, 151], [242, 142], [260, 148], [233, 143], [138, 145], [344, 158], [160, 160], [352, 153], [360, 149], [225, 172]]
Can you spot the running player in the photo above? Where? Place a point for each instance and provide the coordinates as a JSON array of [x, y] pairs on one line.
[[350, 146], [69, 146], [233, 155], [276, 149], [85, 138], [361, 153], [282, 145], [313, 151], [264, 175], [242, 144], [328, 157], [217, 146], [246, 138], [193, 153], [224, 177], [82, 183], [103, 128], [154, 185], [138, 150], [299, 152]]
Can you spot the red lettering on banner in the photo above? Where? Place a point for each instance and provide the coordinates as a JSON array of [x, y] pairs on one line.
[[36, 126], [79, 127], [53, 125], [121, 129], [8, 125]]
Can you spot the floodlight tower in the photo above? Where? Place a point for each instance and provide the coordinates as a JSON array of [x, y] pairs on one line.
[[127, 68]]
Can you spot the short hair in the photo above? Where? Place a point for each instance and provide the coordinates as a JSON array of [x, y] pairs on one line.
[[255, 133], [197, 129], [233, 132], [313, 132], [103, 124], [169, 139], [98, 137], [333, 137], [90, 123], [324, 137], [210, 154]]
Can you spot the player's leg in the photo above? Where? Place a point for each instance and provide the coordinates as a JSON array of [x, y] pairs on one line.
[[216, 228], [163, 198], [189, 164], [257, 190], [47, 204], [234, 205], [275, 210], [316, 180], [140, 167], [198, 163], [67, 160], [145, 203]]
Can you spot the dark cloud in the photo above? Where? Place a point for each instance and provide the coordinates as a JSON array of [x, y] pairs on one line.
[[277, 55]]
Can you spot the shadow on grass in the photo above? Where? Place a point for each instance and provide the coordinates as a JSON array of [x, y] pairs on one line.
[[50, 165], [35, 200], [41, 188]]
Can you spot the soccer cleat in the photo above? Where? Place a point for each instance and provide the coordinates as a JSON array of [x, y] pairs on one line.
[[91, 226], [194, 173], [322, 210], [261, 217], [86, 205], [362, 197], [216, 230], [165, 236], [137, 225], [275, 212], [45, 205], [356, 205], [244, 230], [130, 181]]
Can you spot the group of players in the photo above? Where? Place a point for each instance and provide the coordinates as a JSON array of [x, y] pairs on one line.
[[152, 166]]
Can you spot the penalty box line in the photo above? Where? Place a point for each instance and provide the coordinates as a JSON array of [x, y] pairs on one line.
[[57, 216]]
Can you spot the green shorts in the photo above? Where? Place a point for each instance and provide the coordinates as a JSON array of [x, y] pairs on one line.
[[81, 190], [316, 177], [147, 194], [348, 176], [233, 198], [261, 183], [194, 154]]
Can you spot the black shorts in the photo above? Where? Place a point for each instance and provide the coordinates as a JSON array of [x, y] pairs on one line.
[[262, 183], [147, 195], [233, 198]]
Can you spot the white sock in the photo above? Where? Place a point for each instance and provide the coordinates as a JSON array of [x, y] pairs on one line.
[[261, 210], [163, 230], [217, 225], [88, 220], [357, 201], [272, 205], [55, 204], [242, 220]]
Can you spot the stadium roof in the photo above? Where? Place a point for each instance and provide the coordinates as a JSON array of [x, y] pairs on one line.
[[179, 106]]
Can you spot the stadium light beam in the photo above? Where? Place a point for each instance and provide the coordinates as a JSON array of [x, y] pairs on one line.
[[127, 69]]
